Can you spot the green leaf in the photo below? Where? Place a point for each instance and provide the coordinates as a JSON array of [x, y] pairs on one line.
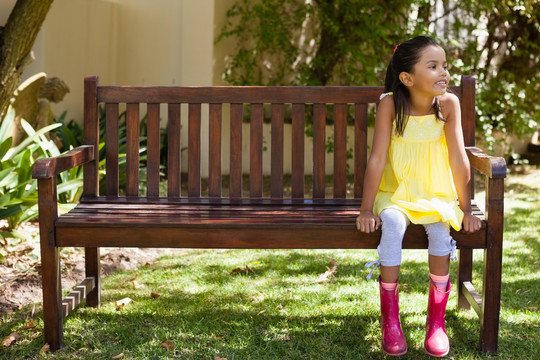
[[4, 200], [5, 127], [69, 185], [25, 172], [5, 146], [8, 178], [33, 136], [10, 210]]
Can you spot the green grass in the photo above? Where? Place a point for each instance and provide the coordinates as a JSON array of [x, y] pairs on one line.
[[281, 311]]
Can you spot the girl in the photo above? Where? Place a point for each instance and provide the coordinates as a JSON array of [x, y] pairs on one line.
[[417, 169]]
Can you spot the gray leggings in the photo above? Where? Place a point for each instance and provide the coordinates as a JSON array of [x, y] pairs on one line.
[[394, 224]]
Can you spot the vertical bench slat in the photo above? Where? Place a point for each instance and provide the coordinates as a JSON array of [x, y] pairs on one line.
[[319, 150], [468, 106], [468, 113], [297, 176], [214, 156], [255, 151], [340, 151], [194, 150], [132, 149], [360, 147], [276, 185], [111, 149], [91, 136], [152, 151], [173, 151], [235, 172]]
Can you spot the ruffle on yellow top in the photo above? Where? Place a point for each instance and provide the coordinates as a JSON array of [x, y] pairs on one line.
[[417, 179]]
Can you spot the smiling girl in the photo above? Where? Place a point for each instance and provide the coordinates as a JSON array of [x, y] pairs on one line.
[[417, 172]]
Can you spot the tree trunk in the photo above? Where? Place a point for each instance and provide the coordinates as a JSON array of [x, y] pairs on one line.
[[327, 54], [16, 41]]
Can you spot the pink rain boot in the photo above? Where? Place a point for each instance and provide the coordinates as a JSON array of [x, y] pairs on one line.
[[436, 343], [393, 341]]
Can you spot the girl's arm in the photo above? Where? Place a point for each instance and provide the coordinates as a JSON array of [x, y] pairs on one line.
[[459, 162], [366, 221]]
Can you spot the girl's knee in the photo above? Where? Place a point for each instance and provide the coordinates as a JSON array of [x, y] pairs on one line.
[[394, 220], [440, 243]]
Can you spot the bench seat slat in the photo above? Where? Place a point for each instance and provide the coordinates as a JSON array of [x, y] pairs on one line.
[[136, 219], [79, 211], [227, 235], [248, 203], [245, 206]]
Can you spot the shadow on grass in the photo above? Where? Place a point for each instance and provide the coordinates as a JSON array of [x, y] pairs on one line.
[[203, 331], [523, 191], [203, 321]]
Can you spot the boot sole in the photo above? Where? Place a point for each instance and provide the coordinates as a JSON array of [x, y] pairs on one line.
[[398, 354], [435, 355]]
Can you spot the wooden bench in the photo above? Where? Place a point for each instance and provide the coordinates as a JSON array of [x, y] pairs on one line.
[[179, 219]]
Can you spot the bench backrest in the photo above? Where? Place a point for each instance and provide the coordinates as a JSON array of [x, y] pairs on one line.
[[303, 102]]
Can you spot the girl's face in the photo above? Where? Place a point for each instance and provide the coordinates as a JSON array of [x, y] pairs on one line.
[[430, 74]]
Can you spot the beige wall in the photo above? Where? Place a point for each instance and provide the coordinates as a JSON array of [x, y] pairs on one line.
[[138, 42], [5, 9]]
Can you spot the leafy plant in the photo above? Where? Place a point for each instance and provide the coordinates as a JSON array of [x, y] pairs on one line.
[[320, 42], [18, 195], [17, 188]]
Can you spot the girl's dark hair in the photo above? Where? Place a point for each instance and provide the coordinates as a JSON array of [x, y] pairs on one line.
[[406, 55]]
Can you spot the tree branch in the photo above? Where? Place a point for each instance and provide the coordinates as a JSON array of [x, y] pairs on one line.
[[16, 41]]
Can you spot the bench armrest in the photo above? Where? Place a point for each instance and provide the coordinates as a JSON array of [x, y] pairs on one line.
[[491, 166], [50, 167]]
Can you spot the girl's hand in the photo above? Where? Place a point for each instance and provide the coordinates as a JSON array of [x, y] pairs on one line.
[[367, 222], [471, 223]]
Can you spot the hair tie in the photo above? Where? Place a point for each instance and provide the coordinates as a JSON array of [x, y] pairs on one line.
[[396, 47]]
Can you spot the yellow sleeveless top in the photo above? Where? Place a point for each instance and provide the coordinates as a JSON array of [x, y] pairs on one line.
[[417, 179]]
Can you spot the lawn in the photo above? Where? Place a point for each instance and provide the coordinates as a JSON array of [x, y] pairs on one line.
[[247, 304]]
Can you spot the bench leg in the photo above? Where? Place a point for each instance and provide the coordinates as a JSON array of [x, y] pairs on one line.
[[53, 315], [464, 274], [489, 327], [491, 295], [93, 269]]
